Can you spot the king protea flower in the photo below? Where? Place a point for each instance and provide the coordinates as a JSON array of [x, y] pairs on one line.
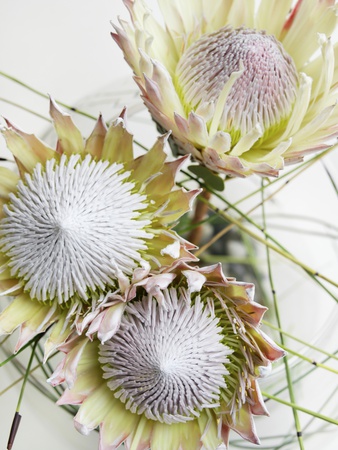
[[78, 221], [244, 86], [181, 369]]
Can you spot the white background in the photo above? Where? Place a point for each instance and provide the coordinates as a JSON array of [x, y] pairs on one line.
[[64, 48]]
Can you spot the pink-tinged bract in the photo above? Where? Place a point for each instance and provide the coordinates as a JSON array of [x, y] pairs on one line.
[[245, 86], [181, 368]]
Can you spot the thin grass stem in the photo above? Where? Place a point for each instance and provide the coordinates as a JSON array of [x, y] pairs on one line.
[[24, 108], [14, 355], [278, 318], [41, 94], [300, 408], [291, 336]]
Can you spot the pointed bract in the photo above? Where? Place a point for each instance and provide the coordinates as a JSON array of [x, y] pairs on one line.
[[80, 225], [165, 322], [70, 139], [94, 144], [189, 68]]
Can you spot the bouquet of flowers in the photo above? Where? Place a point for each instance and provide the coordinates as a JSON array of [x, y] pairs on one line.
[[128, 271]]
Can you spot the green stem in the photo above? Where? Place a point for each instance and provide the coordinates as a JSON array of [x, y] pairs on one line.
[[17, 416], [278, 318], [285, 216], [299, 168], [303, 375], [141, 145], [291, 336], [4, 340], [277, 248], [331, 178], [14, 383], [300, 408], [27, 372], [324, 404], [30, 111], [309, 360], [253, 260], [41, 94], [14, 355], [68, 408], [303, 232], [268, 244]]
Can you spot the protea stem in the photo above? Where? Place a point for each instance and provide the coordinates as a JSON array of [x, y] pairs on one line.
[[34, 345], [14, 355], [201, 209]]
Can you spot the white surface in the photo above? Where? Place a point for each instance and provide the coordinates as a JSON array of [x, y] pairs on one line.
[[64, 48]]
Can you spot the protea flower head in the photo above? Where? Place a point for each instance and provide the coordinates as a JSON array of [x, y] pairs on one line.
[[78, 221], [245, 86], [181, 369]]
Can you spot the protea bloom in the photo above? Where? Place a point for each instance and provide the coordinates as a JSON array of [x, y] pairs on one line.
[[78, 221], [180, 371], [245, 86]]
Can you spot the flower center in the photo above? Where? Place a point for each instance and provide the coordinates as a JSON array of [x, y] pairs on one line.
[[168, 364], [263, 94], [71, 225]]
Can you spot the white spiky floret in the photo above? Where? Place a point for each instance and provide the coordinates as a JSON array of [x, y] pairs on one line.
[[166, 363], [263, 92], [71, 225]]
